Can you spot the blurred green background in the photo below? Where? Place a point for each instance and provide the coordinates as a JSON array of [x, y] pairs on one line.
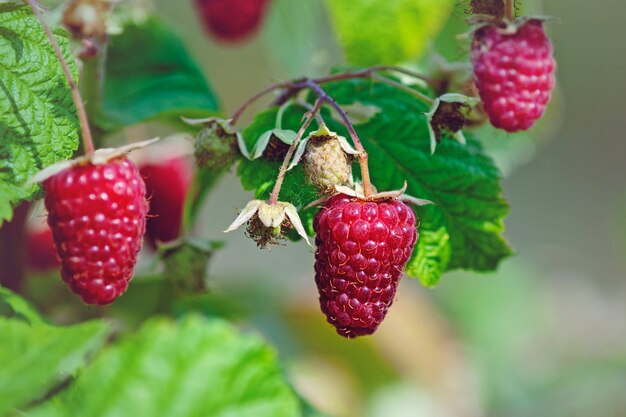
[[545, 335]]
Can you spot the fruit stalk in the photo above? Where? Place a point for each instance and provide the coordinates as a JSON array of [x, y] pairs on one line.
[[363, 157], [283, 168], [509, 10], [78, 102]]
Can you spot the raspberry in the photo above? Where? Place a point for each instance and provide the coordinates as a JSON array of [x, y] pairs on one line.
[[97, 214], [232, 20], [167, 184], [362, 249], [41, 255], [514, 73], [326, 164]]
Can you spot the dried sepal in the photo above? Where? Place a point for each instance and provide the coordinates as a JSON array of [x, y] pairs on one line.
[[284, 135], [267, 223], [447, 115]]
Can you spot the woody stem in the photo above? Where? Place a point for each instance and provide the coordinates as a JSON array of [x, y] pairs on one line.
[[78, 101]]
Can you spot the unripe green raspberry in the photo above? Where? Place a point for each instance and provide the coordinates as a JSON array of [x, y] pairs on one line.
[[216, 145], [326, 164]]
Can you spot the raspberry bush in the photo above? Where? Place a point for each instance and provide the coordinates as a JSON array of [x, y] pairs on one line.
[[381, 166]]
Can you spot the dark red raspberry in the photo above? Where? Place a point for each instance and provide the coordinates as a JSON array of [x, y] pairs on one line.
[[362, 249], [167, 184], [97, 214], [514, 73], [41, 255], [232, 20]]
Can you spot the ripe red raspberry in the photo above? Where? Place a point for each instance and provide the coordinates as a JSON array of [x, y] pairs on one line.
[[232, 20], [167, 184], [514, 73], [97, 214], [362, 249], [41, 255]]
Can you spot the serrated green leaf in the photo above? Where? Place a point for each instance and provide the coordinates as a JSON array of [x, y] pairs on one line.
[[386, 31], [432, 253], [194, 367], [461, 180], [36, 356], [38, 123], [150, 75]]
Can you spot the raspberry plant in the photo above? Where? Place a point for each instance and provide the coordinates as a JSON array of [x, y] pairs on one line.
[[377, 163]]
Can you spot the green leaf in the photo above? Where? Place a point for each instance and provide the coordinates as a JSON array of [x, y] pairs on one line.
[[20, 306], [37, 357], [38, 123], [432, 253], [462, 230], [386, 31], [150, 75], [461, 180], [194, 367]]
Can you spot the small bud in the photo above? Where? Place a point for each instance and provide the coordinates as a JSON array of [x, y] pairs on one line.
[[87, 19], [327, 159], [216, 145], [267, 223], [447, 117]]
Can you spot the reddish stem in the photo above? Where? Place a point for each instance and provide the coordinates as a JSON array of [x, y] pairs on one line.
[[509, 10], [283, 168], [78, 102]]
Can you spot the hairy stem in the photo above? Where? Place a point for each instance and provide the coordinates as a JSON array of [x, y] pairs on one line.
[[509, 10], [292, 149], [78, 101], [363, 157]]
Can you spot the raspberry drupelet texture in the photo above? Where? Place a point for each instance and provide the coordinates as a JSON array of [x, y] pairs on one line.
[[362, 249], [232, 20], [97, 214], [167, 183], [514, 73]]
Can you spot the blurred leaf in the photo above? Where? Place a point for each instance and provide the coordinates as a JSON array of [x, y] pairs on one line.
[[38, 123], [386, 31], [287, 35], [151, 75], [36, 357], [194, 367], [20, 306], [462, 230]]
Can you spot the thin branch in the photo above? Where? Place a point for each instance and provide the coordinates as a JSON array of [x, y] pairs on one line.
[[283, 168], [252, 99], [78, 102]]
